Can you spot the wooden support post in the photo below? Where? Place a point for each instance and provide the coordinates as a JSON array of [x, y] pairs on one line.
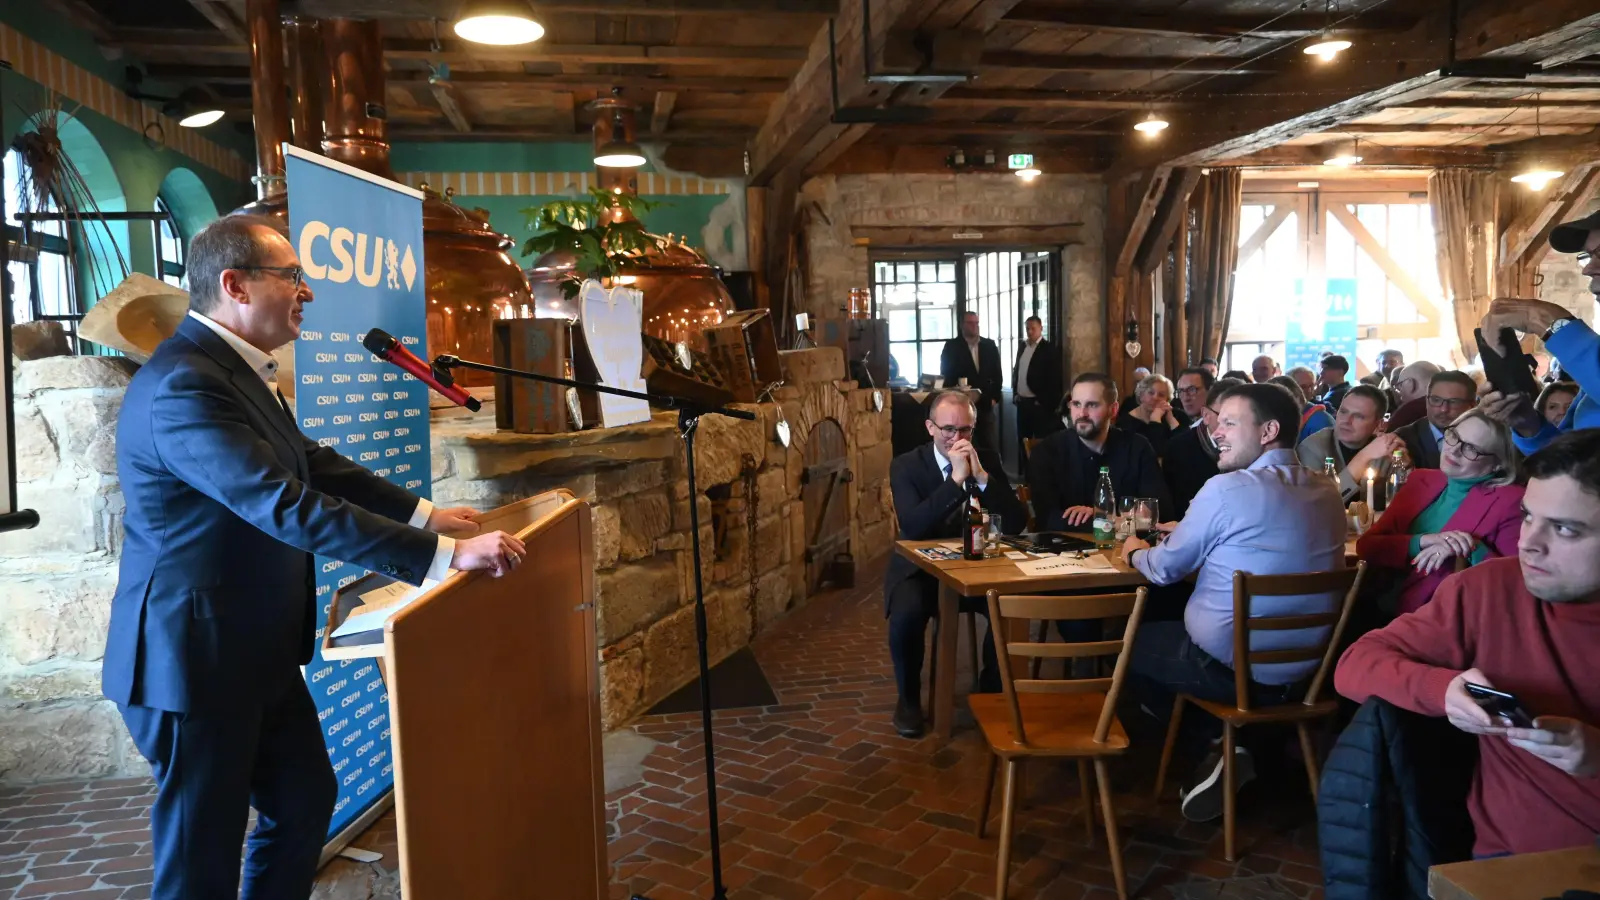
[[755, 229]]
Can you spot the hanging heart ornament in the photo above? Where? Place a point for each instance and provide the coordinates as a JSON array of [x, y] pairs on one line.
[[1133, 348]]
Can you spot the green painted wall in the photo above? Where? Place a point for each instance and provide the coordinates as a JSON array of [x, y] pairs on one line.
[[138, 170]]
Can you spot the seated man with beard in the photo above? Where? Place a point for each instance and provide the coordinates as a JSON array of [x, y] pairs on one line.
[[1065, 467]]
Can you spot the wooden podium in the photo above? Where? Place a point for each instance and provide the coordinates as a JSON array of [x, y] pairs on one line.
[[495, 700]]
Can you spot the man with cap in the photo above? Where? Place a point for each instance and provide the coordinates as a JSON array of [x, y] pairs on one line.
[[1573, 343]]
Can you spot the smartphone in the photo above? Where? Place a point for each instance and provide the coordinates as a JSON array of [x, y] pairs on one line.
[[1504, 707]]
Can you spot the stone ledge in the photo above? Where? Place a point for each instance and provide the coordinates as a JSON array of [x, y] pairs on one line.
[[482, 452]]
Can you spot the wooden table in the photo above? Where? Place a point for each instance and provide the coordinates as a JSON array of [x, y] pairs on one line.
[[1527, 876], [973, 578]]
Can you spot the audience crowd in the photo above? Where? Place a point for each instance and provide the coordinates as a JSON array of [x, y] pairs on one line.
[[1474, 507]]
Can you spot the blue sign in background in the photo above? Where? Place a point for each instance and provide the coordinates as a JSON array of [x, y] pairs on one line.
[[359, 238], [1321, 324]]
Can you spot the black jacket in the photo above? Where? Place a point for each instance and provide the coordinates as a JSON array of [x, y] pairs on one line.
[[955, 363], [1157, 433], [1420, 444], [1044, 374], [1062, 473], [1190, 461], [928, 505], [1393, 802]]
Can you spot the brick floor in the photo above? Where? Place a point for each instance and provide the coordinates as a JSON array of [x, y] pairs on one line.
[[820, 799]]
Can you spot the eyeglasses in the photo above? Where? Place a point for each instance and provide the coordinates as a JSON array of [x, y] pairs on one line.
[[1437, 402], [295, 274], [954, 431], [1189, 391], [1471, 452]]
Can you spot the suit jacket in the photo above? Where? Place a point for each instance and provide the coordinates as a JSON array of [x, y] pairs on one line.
[[226, 503], [1189, 462], [1058, 480], [955, 363], [1044, 373], [1408, 412], [1420, 443], [1332, 397], [1314, 450], [928, 505], [1491, 514]]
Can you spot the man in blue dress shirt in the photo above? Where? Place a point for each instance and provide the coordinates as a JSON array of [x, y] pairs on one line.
[[1265, 514]]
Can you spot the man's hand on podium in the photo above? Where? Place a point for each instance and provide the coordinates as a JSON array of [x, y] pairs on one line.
[[496, 551], [452, 521]]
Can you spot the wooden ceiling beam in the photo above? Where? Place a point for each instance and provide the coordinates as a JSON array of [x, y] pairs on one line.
[[222, 19], [1189, 65], [444, 95], [82, 15], [1487, 129], [401, 131], [1372, 155], [1377, 74], [1041, 99], [906, 158], [1041, 15], [148, 42], [432, 9], [1021, 129], [1545, 101], [661, 114], [1525, 240]]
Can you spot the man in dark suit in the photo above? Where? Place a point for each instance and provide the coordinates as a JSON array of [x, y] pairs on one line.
[[1066, 466], [213, 614], [1036, 386], [977, 359], [1449, 395], [931, 485]]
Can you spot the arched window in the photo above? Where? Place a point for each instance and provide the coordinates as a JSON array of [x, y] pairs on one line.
[[169, 245], [41, 279]]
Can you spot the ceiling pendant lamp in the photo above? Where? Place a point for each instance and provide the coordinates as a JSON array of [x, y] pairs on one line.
[[619, 152], [1326, 46], [1152, 125], [1344, 154], [200, 119], [1537, 176], [499, 22]]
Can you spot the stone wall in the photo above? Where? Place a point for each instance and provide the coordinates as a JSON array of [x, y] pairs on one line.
[[56, 580], [635, 479], [961, 202]]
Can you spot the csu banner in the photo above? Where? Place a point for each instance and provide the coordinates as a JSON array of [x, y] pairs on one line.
[[1322, 322], [359, 238]]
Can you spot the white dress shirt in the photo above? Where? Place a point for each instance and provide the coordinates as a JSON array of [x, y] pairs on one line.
[[972, 347], [1021, 388], [266, 367]]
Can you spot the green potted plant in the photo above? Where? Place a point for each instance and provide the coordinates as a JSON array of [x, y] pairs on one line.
[[602, 232]]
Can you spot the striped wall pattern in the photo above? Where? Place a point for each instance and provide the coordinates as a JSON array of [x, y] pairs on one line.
[[522, 184], [35, 62]]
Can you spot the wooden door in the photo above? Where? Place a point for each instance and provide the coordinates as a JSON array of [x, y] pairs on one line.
[[823, 486]]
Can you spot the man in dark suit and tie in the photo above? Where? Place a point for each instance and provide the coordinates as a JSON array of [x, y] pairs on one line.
[[977, 359], [1036, 386], [214, 610], [1449, 395], [931, 485]]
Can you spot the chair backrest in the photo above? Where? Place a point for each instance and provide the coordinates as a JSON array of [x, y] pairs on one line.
[[1247, 587], [1027, 608]]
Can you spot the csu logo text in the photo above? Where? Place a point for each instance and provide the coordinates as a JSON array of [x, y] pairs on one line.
[[376, 259]]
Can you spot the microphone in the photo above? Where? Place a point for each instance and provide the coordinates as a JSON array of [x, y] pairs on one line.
[[383, 345]]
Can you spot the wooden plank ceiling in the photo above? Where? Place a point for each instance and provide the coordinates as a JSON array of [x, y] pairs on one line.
[[1064, 79]]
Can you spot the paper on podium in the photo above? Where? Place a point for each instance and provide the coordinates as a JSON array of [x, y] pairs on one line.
[[379, 605], [1066, 565]]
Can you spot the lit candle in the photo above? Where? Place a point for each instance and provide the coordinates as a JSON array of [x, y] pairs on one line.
[[1371, 479]]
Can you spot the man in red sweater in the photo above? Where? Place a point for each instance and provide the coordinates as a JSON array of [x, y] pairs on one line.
[[1529, 626]]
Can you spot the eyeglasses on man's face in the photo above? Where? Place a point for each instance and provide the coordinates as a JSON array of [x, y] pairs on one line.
[[295, 275], [955, 431], [1189, 391], [1471, 452], [1437, 402]]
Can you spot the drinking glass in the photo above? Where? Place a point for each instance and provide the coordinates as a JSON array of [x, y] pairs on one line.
[[1125, 507], [1146, 514], [991, 532]]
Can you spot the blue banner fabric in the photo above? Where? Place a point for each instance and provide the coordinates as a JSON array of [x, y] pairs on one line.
[[1321, 323], [359, 238]]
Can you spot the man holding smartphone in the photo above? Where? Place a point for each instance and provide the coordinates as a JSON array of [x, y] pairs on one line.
[[1525, 628]]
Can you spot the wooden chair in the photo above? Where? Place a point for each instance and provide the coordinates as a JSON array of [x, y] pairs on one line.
[[1241, 713], [1055, 718]]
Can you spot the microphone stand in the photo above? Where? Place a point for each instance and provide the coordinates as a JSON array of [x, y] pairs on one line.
[[689, 413]]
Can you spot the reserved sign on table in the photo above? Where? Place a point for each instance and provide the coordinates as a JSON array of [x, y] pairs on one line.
[[1066, 565]]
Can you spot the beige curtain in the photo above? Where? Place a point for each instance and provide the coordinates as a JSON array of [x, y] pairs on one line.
[[1463, 205], [1214, 253]]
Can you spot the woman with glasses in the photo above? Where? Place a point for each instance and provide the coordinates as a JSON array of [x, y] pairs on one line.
[[1154, 418], [1467, 510]]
